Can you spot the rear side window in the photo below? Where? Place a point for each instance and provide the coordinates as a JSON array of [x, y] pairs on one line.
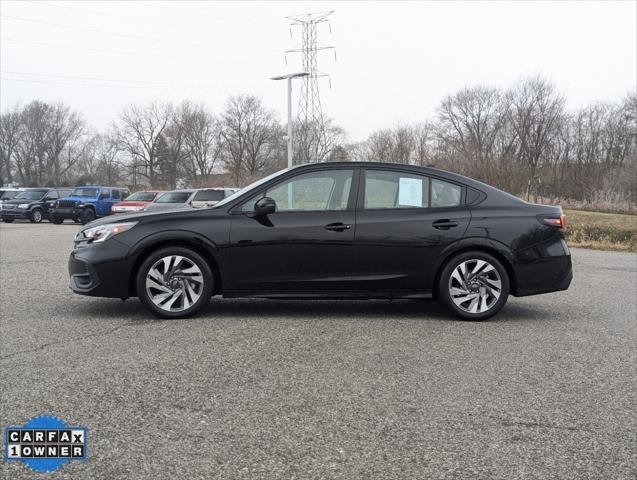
[[116, 195], [385, 189], [209, 196], [445, 194]]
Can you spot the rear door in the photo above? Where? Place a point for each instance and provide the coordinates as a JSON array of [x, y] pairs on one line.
[[404, 221]]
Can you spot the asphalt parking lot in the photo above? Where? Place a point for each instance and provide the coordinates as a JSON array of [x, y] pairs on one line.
[[297, 389]]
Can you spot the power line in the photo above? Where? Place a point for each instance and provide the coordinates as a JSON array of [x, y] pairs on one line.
[[57, 45], [125, 17], [105, 32], [195, 85], [23, 80]]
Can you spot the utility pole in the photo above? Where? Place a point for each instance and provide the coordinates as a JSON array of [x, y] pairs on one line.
[[310, 112], [289, 78]]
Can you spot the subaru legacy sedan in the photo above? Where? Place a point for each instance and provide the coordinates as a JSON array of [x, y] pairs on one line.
[[335, 230]]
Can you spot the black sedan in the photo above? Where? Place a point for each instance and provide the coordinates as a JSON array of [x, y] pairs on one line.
[[336, 230]]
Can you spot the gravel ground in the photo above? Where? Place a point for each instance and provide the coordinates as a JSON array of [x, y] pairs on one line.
[[325, 389]]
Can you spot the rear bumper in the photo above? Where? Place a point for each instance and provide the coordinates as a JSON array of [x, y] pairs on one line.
[[543, 268]]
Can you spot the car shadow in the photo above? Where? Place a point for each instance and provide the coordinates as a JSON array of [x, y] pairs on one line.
[[426, 310]]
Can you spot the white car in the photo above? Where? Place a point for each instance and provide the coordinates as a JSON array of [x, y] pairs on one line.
[[181, 199]]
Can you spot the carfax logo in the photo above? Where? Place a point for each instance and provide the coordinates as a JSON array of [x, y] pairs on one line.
[[45, 443]]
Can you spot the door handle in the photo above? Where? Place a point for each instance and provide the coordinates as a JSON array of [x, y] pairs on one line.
[[444, 224], [337, 227]]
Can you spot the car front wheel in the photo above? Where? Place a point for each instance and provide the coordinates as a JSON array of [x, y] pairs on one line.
[[87, 216], [473, 286], [36, 215], [56, 220], [174, 282]]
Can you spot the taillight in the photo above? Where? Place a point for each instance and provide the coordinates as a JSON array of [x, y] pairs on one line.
[[556, 222]]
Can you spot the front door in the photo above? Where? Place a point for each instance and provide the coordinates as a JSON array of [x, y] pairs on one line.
[[306, 245], [404, 221]]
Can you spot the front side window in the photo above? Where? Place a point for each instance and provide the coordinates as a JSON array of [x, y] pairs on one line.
[[445, 194], [385, 189], [325, 190]]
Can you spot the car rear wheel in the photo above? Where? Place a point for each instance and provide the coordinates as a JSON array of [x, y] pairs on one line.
[[87, 216], [174, 282], [36, 215], [55, 219], [473, 286]]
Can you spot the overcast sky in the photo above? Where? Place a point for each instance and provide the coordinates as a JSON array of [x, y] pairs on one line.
[[395, 61]]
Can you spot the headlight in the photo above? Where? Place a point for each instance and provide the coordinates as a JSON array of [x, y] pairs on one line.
[[23, 205], [101, 233]]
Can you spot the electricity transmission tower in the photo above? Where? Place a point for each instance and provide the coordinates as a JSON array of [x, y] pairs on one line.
[[311, 127]]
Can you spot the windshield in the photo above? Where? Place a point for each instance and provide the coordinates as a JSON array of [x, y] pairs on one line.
[[31, 194], [7, 194], [247, 188], [85, 192], [141, 197], [174, 197]]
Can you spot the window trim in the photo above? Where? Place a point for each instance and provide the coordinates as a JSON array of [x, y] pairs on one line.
[[360, 204], [351, 201]]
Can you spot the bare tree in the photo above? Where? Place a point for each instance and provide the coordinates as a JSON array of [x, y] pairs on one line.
[[250, 136], [138, 134], [471, 121], [535, 114], [10, 132], [203, 142]]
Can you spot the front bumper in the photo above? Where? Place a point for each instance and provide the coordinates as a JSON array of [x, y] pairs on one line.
[[69, 212], [15, 213], [102, 270]]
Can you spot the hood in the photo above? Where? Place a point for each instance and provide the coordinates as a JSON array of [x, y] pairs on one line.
[[131, 204], [79, 199], [13, 201], [135, 217]]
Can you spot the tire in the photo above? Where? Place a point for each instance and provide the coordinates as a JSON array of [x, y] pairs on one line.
[[56, 220], [175, 297], [480, 292], [87, 216], [76, 220], [36, 215], [8, 220]]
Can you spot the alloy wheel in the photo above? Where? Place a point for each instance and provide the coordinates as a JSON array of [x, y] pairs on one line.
[[174, 283], [475, 286], [37, 216]]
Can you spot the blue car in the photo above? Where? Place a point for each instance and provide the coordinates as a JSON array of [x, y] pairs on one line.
[[85, 204]]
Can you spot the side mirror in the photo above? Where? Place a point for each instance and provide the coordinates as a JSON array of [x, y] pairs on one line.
[[264, 206]]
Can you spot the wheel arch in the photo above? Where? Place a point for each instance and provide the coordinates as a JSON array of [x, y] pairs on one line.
[[496, 249], [193, 243]]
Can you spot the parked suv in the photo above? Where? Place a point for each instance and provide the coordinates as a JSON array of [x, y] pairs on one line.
[[85, 204], [33, 204]]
